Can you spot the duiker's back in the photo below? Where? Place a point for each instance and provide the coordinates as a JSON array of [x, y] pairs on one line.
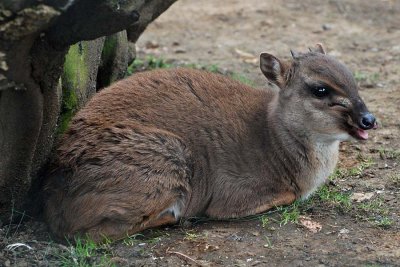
[[185, 101]]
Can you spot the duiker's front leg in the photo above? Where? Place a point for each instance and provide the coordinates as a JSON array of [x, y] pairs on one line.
[[134, 178], [243, 197]]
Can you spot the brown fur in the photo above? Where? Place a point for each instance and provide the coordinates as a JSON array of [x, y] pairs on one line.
[[166, 144]]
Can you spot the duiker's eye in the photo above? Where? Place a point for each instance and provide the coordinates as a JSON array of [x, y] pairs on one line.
[[320, 91]]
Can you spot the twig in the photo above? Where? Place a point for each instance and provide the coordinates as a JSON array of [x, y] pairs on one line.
[[14, 246], [185, 257], [19, 224], [334, 226]]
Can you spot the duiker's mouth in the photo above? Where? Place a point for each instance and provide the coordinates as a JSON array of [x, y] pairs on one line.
[[357, 132]]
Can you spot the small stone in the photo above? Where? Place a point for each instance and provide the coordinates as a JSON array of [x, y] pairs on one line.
[[255, 233], [6, 13], [327, 27], [180, 51], [235, 237], [152, 45], [360, 197], [3, 66]]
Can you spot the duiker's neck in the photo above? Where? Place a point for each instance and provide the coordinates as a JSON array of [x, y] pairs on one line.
[[298, 156]]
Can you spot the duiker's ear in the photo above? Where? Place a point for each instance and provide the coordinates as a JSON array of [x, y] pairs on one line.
[[318, 49], [273, 69]]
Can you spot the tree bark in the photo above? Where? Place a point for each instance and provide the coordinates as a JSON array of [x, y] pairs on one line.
[[35, 37]]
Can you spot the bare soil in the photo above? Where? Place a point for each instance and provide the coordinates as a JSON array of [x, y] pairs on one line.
[[336, 227]]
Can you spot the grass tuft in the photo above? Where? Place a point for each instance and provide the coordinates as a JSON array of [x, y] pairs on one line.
[[191, 235], [133, 240], [375, 212], [366, 78], [289, 213], [334, 196], [151, 62], [265, 221], [338, 173], [385, 153], [395, 179], [85, 253]]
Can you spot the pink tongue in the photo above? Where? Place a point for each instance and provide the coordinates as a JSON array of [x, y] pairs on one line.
[[362, 134]]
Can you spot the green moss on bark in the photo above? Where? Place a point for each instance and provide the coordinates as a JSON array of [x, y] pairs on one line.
[[74, 78], [107, 55], [68, 109], [109, 48]]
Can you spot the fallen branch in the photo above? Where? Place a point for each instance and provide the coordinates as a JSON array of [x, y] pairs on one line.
[[185, 257]]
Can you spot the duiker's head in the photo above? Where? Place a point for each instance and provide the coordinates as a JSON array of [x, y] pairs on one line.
[[318, 96]]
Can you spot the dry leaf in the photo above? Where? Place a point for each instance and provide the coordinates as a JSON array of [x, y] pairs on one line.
[[246, 57], [359, 197], [311, 225]]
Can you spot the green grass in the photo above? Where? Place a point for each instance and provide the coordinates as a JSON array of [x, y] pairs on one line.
[[384, 222], [150, 237], [268, 243], [133, 240], [85, 253], [285, 214], [191, 235], [365, 77], [374, 206], [152, 62], [386, 153], [340, 173], [334, 196], [395, 179], [216, 69], [289, 213], [265, 221], [375, 212], [365, 163]]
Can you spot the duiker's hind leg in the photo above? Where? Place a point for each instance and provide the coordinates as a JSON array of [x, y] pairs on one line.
[[134, 178]]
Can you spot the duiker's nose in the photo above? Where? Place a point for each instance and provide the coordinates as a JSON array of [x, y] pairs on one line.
[[367, 121]]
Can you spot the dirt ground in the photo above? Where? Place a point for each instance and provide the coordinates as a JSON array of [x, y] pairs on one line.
[[354, 221]]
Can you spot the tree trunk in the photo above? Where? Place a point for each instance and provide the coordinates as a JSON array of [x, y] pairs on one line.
[[50, 53]]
